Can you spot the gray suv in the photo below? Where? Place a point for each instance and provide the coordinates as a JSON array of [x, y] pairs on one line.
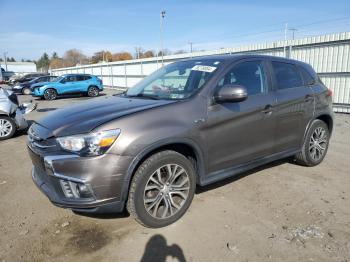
[[193, 122]]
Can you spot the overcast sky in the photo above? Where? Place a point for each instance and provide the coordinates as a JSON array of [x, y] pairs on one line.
[[29, 28]]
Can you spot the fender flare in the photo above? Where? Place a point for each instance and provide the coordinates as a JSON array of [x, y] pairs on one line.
[[314, 118], [138, 158]]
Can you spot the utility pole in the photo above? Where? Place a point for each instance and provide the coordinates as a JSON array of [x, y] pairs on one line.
[[5, 53], [285, 39], [191, 44], [162, 15]]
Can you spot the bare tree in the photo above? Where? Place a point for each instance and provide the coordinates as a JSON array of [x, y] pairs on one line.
[[122, 56], [73, 57]]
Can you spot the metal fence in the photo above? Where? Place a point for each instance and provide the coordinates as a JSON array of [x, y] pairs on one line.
[[328, 54]]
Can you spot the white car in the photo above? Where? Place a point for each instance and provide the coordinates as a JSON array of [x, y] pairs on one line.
[[11, 114]]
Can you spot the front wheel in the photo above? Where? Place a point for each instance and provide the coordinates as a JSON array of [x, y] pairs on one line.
[[50, 94], [7, 127], [162, 189], [93, 91], [315, 145]]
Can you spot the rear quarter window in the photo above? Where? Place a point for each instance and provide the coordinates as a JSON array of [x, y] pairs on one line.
[[307, 77], [286, 75]]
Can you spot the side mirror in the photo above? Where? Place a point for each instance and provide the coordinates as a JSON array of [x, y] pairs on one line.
[[231, 93]]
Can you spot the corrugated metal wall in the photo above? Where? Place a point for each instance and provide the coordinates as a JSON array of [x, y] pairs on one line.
[[328, 54]]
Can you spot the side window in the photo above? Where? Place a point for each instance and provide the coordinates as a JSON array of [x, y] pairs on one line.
[[287, 75], [80, 78], [308, 78], [249, 74], [71, 78]]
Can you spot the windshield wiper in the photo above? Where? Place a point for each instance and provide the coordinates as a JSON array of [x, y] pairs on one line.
[[141, 95]]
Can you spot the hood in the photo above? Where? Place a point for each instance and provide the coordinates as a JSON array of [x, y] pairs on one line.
[[86, 116]]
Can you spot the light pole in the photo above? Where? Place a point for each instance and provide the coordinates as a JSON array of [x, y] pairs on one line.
[[5, 53], [293, 31], [285, 39], [162, 15], [191, 44]]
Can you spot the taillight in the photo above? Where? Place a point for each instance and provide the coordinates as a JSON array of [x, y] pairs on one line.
[[329, 92]]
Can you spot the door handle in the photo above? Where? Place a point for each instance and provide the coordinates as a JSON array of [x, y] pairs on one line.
[[267, 109], [309, 98]]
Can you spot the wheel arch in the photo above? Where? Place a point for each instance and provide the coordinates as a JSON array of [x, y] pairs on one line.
[[186, 147], [325, 117], [328, 120]]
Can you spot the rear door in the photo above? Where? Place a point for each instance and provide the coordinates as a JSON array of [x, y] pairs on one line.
[[240, 132], [295, 105]]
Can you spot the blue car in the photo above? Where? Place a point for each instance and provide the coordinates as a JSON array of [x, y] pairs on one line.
[[68, 84]]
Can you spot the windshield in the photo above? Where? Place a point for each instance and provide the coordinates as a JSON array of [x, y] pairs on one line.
[[58, 79], [176, 81]]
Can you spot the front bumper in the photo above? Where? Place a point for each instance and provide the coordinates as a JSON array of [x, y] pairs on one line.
[[103, 175], [16, 90], [36, 92]]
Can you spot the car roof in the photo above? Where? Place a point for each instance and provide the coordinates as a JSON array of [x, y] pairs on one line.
[[233, 57], [76, 75]]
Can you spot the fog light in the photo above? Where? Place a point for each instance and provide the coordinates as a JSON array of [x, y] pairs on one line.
[[75, 190], [83, 191]]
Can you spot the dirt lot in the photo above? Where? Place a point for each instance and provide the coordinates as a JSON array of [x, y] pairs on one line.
[[280, 212]]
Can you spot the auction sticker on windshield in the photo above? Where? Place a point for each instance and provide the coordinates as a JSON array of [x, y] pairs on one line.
[[204, 68]]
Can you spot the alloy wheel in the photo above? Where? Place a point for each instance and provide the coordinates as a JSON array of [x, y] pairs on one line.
[[166, 191], [318, 143], [93, 91], [26, 91], [50, 94], [5, 127]]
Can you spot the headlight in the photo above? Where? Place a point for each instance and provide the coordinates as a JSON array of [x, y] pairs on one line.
[[93, 144], [17, 87]]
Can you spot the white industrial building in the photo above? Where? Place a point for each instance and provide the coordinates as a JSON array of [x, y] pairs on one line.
[[19, 67]]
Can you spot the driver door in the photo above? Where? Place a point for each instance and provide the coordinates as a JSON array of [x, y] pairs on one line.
[[69, 85], [240, 132]]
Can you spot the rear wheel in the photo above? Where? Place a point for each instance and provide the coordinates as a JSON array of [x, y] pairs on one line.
[[50, 94], [26, 91], [93, 91], [162, 189], [315, 145], [7, 127]]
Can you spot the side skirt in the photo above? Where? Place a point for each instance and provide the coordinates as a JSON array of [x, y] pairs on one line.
[[236, 170]]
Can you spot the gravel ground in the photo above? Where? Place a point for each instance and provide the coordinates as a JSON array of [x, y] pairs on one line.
[[279, 212]]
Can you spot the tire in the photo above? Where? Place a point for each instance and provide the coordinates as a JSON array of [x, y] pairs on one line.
[[168, 204], [50, 94], [93, 91], [315, 145], [7, 127], [26, 91]]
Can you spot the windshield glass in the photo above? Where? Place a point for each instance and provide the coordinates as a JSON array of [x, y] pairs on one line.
[[58, 79], [176, 81]]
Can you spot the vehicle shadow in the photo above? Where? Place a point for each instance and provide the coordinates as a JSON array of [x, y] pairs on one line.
[[46, 109], [157, 250], [201, 189], [123, 214]]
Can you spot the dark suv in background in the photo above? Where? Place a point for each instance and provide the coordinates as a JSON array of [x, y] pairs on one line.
[[193, 122]]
